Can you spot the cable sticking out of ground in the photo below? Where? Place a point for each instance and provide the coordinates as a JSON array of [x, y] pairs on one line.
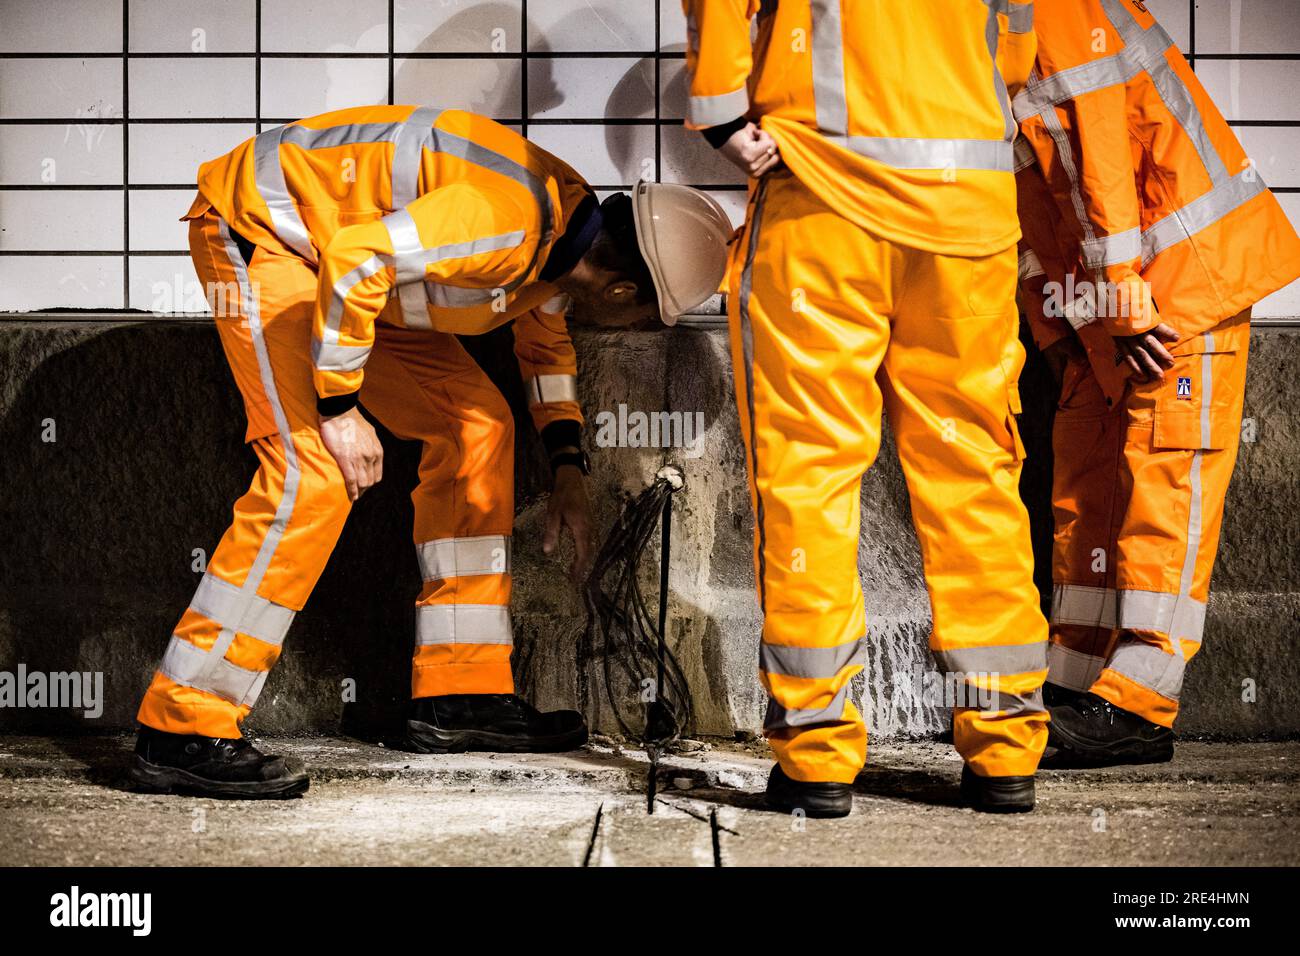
[[645, 685]]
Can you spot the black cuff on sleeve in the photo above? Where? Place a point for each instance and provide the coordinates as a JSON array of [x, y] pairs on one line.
[[561, 434], [336, 404], [717, 135]]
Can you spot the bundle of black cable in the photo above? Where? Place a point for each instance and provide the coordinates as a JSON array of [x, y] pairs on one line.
[[644, 683]]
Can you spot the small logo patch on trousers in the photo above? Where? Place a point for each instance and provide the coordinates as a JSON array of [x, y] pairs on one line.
[[1184, 387]]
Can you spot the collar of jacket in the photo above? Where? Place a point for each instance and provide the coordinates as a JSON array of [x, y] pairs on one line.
[[577, 239]]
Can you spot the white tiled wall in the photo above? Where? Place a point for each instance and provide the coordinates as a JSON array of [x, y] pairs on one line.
[[98, 147]]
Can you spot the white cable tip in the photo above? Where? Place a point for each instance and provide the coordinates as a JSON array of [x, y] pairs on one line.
[[673, 475]]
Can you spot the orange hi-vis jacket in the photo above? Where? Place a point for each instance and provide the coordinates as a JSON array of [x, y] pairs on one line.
[[1156, 199], [419, 217], [930, 164]]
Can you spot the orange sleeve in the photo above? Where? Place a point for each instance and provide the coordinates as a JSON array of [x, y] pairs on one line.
[[1082, 141], [469, 240], [548, 364], [719, 58]]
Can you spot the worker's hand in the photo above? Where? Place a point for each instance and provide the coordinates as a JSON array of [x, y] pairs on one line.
[[569, 507], [355, 446], [1145, 354], [753, 150]]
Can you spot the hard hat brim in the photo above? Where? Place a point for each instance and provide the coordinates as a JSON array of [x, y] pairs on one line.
[[642, 218]]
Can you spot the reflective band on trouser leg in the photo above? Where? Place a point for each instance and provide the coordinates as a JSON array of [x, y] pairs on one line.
[[810, 418], [425, 387], [228, 639], [948, 379]]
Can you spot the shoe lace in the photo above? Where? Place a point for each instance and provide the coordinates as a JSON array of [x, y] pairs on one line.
[[1099, 707]]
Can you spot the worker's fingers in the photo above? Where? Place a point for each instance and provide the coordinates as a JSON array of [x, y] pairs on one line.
[[581, 548], [766, 165], [1164, 333], [349, 477], [1152, 346], [551, 537], [1138, 372], [1149, 365]]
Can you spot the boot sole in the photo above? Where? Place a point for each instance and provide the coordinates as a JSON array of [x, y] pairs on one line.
[[427, 739], [989, 797], [151, 778], [1130, 751], [813, 809]]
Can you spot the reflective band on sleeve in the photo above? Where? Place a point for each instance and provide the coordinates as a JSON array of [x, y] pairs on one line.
[[543, 389], [1201, 213], [819, 663], [408, 268], [1177, 615], [1081, 310], [1084, 606], [338, 358], [342, 289], [1002, 659], [1030, 265], [1071, 668], [1102, 251], [1009, 705], [222, 603], [716, 110], [903, 153], [1150, 667], [191, 666], [557, 305], [268, 174], [462, 624], [780, 718], [1023, 154], [461, 557]]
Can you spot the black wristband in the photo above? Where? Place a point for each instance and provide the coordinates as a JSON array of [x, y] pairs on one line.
[[578, 459], [717, 135], [336, 404], [564, 433]]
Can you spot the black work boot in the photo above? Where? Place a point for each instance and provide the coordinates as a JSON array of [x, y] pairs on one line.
[[499, 723], [823, 799], [213, 767], [1054, 695], [1093, 732], [997, 794]]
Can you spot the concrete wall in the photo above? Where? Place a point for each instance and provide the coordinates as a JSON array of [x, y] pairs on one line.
[[99, 530]]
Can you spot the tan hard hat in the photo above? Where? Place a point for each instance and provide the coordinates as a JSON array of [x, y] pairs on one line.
[[683, 235]]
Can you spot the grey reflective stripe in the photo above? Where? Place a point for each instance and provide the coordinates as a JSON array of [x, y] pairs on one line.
[[992, 35], [1102, 251], [1177, 98], [1149, 666], [461, 557], [268, 174], [1143, 52], [716, 110], [1020, 17], [1073, 669], [222, 603], [1083, 606], [1065, 154], [462, 624], [457, 297], [449, 296], [1023, 154], [1082, 310], [342, 289], [345, 134], [1030, 265], [213, 672], [915, 153], [1178, 615], [338, 358], [1200, 213], [829, 100], [408, 152], [191, 666], [781, 718], [408, 268], [1000, 659], [821, 663], [551, 388], [747, 351], [1010, 705]]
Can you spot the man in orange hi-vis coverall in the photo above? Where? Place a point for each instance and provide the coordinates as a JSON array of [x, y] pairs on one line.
[[877, 271], [342, 254], [1152, 237]]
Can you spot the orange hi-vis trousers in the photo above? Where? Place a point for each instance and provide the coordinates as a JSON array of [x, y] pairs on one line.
[[1138, 495], [830, 326], [422, 386]]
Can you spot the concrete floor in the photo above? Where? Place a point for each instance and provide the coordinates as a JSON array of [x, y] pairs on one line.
[[1220, 804]]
